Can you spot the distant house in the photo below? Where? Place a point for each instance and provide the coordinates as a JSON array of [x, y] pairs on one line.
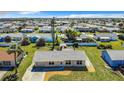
[[45, 29], [83, 40], [62, 28], [85, 29], [27, 30], [34, 37], [104, 37], [14, 37], [114, 58], [59, 58], [7, 60]]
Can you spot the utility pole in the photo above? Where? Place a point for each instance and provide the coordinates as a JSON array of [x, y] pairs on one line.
[[53, 32]]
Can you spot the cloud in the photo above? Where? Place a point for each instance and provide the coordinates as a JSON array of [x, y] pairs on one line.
[[93, 16], [29, 12]]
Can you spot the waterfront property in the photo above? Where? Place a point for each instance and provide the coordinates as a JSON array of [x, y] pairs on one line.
[[114, 58], [68, 58], [7, 60]]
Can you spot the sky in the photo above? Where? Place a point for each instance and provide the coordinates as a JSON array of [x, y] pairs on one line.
[[62, 14]]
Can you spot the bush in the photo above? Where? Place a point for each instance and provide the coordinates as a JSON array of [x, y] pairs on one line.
[[40, 42], [101, 46], [25, 42], [121, 37], [11, 77], [7, 39]]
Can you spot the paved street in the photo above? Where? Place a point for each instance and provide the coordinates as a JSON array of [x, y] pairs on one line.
[[33, 76], [2, 73]]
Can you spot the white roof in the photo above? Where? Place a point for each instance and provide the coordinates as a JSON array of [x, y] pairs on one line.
[[116, 54], [45, 56]]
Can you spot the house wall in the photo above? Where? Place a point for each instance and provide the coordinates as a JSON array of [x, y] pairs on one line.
[[83, 44], [12, 62], [109, 61], [58, 63], [107, 58]]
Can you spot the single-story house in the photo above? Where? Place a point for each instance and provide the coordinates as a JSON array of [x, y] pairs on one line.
[[34, 37], [14, 37], [85, 29], [104, 37], [114, 58], [27, 30], [62, 28], [59, 58], [45, 29], [7, 60]]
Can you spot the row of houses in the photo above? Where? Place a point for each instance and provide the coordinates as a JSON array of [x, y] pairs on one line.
[[17, 37], [64, 58]]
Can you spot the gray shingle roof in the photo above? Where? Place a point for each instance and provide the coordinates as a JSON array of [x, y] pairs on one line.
[[45, 56], [106, 35], [116, 54]]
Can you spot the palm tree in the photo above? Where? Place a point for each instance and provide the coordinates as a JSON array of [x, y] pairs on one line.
[[52, 32], [17, 51]]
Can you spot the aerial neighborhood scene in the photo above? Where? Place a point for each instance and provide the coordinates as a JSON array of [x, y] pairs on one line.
[[62, 46]]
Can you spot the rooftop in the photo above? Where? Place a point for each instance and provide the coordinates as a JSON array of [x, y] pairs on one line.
[[4, 56], [45, 56], [116, 54]]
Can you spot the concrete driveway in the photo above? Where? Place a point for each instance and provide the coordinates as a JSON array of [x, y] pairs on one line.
[[2, 74], [33, 76]]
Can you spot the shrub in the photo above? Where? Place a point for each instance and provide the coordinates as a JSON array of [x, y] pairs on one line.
[[7, 39], [40, 42], [101, 46], [25, 42]]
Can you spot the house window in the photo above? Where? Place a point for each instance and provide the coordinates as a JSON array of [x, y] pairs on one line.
[[0, 64], [79, 62], [68, 62], [6, 63], [51, 63]]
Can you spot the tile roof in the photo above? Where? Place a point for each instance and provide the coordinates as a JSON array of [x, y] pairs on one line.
[[4, 56]]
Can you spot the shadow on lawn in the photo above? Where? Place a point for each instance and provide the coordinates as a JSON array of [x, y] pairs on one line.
[[48, 69], [6, 68]]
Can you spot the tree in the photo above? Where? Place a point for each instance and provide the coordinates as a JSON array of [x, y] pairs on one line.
[[25, 41], [72, 24], [7, 39], [17, 51], [40, 42], [58, 40], [75, 45], [53, 32], [36, 28], [71, 34]]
